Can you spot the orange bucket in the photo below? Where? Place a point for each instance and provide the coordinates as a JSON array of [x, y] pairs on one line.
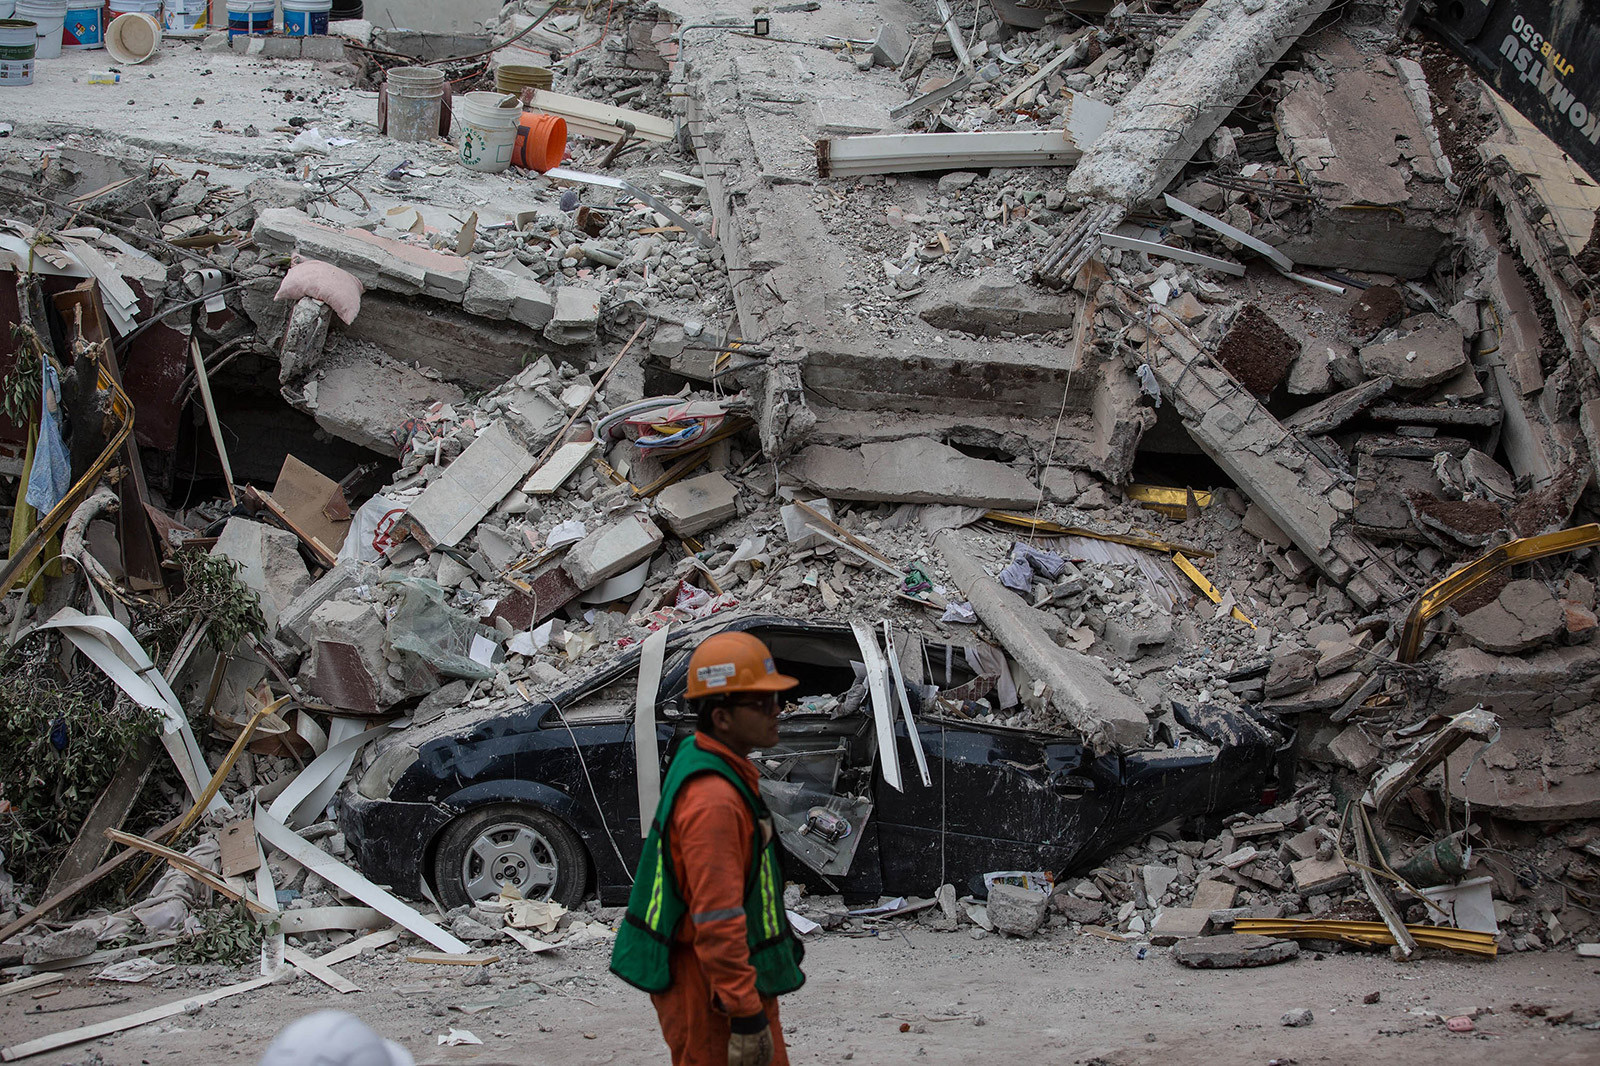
[[541, 142]]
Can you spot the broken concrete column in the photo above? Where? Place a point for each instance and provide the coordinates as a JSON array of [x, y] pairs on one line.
[[1077, 684], [691, 506], [575, 316], [303, 338], [1194, 82], [606, 552], [269, 562], [1300, 493]]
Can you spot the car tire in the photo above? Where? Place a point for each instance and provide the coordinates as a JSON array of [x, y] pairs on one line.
[[525, 846]]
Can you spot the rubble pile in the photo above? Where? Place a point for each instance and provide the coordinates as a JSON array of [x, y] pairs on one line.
[[1235, 498]]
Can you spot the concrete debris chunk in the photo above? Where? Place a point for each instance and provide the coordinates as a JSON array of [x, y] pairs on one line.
[[492, 465], [269, 562], [697, 504], [1234, 951], [1426, 350], [610, 550], [1525, 615], [1015, 910]]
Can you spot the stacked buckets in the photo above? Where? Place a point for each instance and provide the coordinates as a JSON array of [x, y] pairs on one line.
[[414, 97], [18, 41], [250, 17], [184, 18], [306, 18], [513, 78], [49, 18], [85, 26]]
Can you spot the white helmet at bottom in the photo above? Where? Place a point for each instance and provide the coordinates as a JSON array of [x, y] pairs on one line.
[[333, 1038]]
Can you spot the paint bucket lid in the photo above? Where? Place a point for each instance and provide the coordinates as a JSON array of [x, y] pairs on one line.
[[312, 6]]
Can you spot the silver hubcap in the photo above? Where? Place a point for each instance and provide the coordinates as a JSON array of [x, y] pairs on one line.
[[509, 854]]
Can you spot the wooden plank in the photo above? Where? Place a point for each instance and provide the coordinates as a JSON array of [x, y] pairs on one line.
[[324, 556], [345, 879], [188, 866], [68, 891], [320, 970], [127, 1021], [905, 705], [439, 958], [94, 958], [88, 849], [239, 852], [204, 382], [28, 984], [646, 754]]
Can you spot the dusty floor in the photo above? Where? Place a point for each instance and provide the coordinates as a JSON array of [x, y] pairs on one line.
[[1057, 998]]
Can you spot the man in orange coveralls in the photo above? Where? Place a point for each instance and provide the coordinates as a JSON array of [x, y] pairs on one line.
[[706, 933]]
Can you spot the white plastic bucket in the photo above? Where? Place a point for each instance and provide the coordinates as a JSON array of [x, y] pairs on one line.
[[306, 18], [133, 38], [414, 97], [488, 130], [49, 18], [250, 17], [184, 18]]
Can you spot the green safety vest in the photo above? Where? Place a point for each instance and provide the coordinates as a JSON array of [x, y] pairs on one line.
[[655, 907]]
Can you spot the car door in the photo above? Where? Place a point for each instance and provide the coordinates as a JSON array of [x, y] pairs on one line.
[[1000, 799]]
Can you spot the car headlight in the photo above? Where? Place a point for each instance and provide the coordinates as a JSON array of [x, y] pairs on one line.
[[379, 779]]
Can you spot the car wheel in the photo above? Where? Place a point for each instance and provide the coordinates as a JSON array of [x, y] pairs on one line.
[[529, 849]]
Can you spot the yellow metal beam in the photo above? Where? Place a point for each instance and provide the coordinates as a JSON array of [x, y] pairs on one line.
[[1193, 573], [1056, 529], [1370, 934]]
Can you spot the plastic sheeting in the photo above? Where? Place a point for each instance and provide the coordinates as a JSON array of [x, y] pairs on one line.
[[423, 626]]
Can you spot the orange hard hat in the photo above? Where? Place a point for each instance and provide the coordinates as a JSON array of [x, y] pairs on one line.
[[734, 662]]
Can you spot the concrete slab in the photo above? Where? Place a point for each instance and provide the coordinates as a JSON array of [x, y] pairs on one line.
[[1524, 615], [916, 470], [1427, 350], [479, 478], [697, 504], [610, 550]]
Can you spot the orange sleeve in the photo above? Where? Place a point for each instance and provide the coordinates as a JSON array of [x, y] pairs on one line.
[[711, 839]]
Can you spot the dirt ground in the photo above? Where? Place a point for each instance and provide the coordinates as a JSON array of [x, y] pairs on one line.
[[1057, 998]]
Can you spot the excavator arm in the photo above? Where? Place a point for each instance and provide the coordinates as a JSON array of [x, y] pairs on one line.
[[1543, 56]]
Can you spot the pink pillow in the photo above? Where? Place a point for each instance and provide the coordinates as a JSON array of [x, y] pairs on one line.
[[339, 289]]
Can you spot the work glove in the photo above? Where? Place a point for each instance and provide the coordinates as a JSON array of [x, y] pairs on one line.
[[752, 1046]]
